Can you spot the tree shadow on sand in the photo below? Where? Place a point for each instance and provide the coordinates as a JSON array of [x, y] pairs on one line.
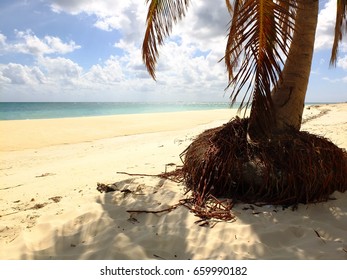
[[106, 230], [313, 231]]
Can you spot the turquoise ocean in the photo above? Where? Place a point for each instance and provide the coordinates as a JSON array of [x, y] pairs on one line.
[[49, 110], [53, 110]]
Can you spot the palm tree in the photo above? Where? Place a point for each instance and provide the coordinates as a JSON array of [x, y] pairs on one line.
[[268, 58]]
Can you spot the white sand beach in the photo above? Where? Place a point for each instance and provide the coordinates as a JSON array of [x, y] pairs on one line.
[[50, 208]]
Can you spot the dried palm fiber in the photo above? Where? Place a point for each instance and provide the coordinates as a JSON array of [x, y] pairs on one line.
[[296, 167]]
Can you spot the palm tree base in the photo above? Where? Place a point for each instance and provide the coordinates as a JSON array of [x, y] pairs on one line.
[[294, 167]]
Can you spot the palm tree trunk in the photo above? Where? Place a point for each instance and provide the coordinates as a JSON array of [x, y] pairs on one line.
[[289, 97]]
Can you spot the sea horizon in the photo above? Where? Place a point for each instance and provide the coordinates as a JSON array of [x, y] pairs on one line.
[[53, 110]]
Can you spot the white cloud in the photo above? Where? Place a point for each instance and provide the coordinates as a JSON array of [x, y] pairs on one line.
[[60, 70], [132, 59], [187, 69], [28, 43], [204, 27], [189, 58], [108, 23], [126, 16], [110, 73], [188, 63], [342, 62], [98, 7], [205, 24], [180, 67], [57, 46], [326, 28], [2, 40], [63, 73], [325, 36], [335, 80], [21, 74]]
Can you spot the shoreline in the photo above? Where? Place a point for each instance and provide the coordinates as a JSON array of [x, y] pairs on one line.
[[188, 107], [38, 132], [53, 110], [75, 130], [50, 208]]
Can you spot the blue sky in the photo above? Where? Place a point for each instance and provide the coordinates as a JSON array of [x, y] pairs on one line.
[[79, 50]]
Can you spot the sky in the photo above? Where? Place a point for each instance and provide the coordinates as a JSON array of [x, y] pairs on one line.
[[90, 51]]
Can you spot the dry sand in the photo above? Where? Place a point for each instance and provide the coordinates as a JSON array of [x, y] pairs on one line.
[[50, 208]]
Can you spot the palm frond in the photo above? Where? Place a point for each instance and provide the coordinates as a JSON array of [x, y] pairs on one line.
[[259, 37], [229, 6], [341, 20], [286, 18], [161, 16]]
